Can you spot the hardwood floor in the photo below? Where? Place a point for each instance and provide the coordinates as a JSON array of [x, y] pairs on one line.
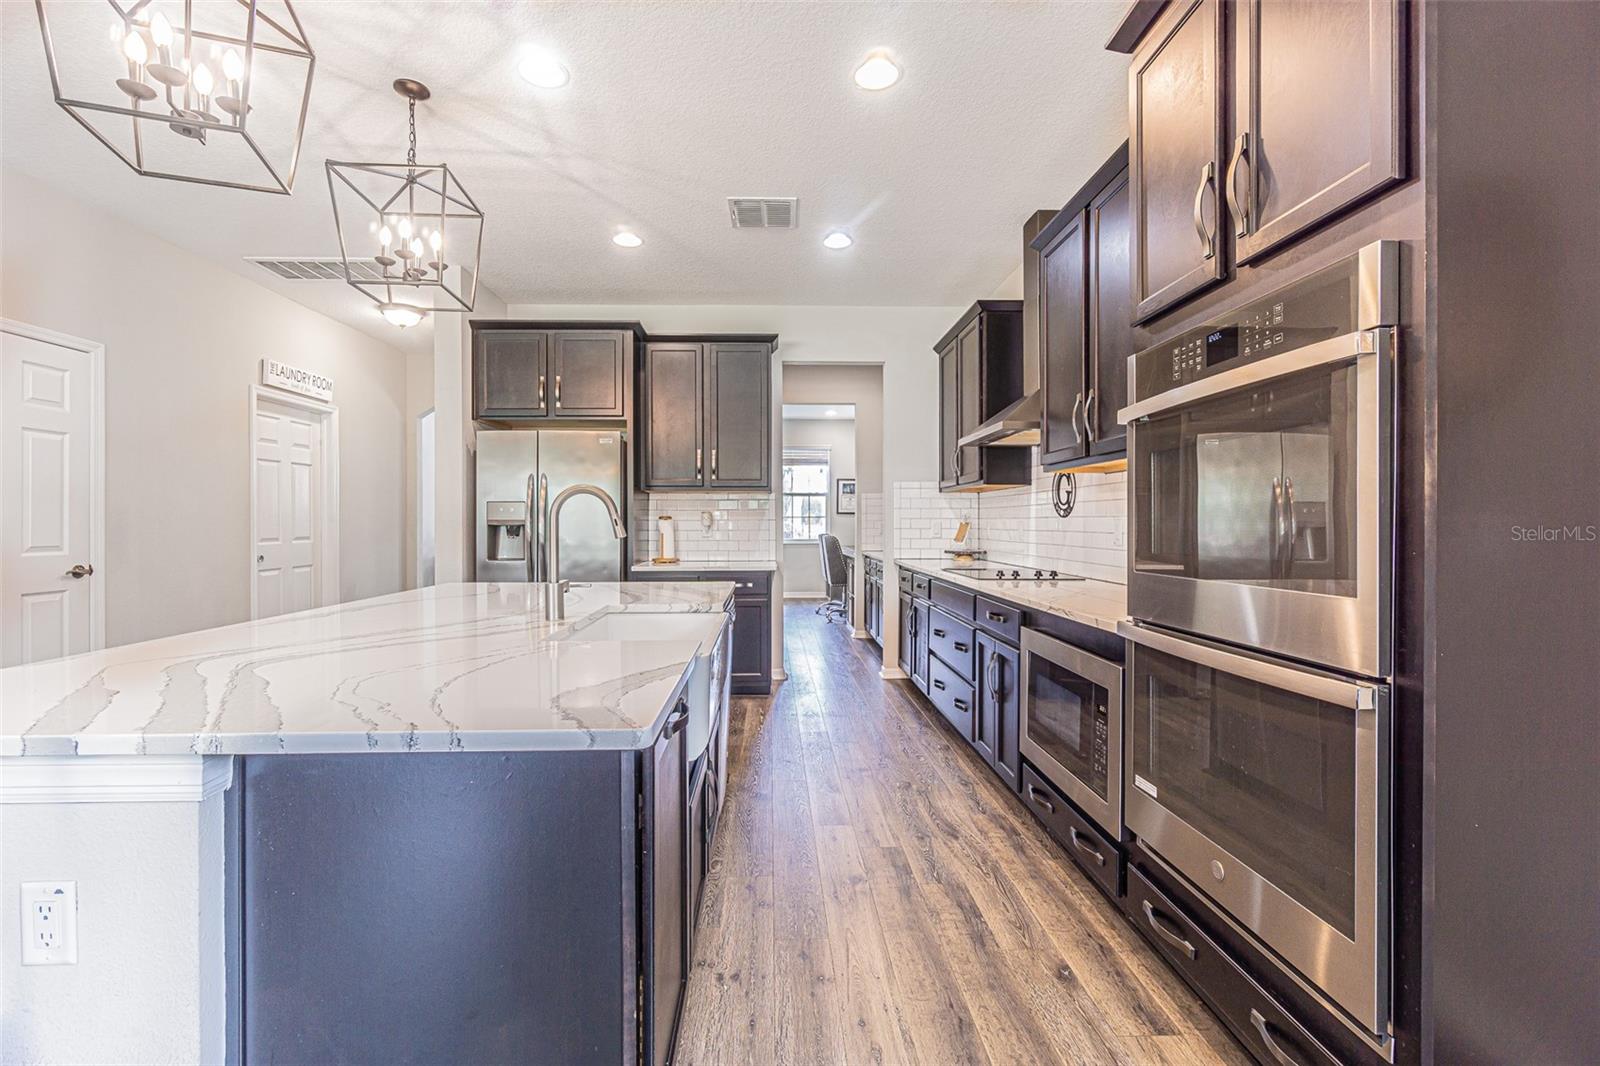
[[877, 896]]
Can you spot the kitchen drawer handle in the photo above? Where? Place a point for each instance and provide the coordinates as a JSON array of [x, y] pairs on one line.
[[1038, 797], [1088, 849], [938, 684], [1208, 177], [938, 632], [675, 723], [1280, 1052], [959, 646], [1241, 214], [995, 616], [1159, 925], [961, 704]]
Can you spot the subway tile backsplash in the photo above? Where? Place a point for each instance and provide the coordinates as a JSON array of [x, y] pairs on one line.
[[740, 527], [1020, 525]]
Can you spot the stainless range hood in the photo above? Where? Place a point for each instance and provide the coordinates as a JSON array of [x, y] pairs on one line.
[[1016, 426]]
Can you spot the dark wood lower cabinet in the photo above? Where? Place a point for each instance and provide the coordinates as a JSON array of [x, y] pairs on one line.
[[557, 931], [999, 681], [751, 655]]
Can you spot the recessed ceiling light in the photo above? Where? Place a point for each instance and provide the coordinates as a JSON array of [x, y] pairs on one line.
[[837, 239], [544, 70], [877, 71], [402, 315], [626, 239]]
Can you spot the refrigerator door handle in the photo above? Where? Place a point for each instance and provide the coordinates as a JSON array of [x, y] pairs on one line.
[[544, 528], [529, 538]]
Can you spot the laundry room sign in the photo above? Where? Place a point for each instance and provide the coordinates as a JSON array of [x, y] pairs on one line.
[[294, 379]]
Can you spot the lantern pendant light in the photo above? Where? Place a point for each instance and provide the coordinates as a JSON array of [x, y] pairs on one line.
[[231, 81], [410, 236]]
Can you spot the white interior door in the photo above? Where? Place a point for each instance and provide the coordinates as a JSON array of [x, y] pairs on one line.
[[47, 441], [288, 487]]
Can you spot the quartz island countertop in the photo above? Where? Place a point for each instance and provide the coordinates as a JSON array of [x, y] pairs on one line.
[[463, 667]]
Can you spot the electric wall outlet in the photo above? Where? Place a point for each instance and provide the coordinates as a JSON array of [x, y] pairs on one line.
[[49, 923]]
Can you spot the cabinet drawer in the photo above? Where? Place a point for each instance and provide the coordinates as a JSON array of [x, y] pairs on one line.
[[951, 695], [907, 580], [998, 618], [1263, 1026], [1098, 857], [746, 583], [919, 585], [951, 641], [956, 602]]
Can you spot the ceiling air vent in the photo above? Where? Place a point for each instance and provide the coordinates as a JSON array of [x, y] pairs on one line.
[[763, 212], [327, 269]]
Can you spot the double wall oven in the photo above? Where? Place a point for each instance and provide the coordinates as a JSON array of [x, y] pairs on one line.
[[1260, 480]]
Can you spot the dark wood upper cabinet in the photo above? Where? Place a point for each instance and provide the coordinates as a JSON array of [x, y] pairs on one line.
[[705, 408], [980, 374], [533, 370], [739, 422], [509, 373], [1317, 112], [588, 371], [672, 406], [1110, 316], [1064, 295], [1176, 143], [949, 416]]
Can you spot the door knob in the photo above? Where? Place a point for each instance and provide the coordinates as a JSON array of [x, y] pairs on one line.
[[80, 571]]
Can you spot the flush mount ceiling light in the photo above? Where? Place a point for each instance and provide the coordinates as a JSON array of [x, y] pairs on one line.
[[626, 239], [209, 92], [837, 239], [415, 221], [877, 71], [543, 70], [402, 315]]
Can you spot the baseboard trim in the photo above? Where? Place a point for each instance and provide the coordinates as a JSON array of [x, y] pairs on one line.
[[114, 778]]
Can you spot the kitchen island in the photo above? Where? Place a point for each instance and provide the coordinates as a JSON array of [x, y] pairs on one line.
[[457, 824]]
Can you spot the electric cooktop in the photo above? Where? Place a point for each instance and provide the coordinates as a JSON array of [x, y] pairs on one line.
[[1010, 572]]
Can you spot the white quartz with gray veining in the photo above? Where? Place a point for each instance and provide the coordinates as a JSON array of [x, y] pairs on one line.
[[1101, 604], [467, 667]]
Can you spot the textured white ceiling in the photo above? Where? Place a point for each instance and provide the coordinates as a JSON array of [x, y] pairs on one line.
[[672, 107]]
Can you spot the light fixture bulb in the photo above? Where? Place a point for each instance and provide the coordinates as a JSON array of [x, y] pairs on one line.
[[404, 229], [416, 247], [401, 315], [203, 80], [232, 65], [133, 47], [160, 30], [627, 239], [543, 70], [384, 236], [877, 72], [837, 239], [436, 240]]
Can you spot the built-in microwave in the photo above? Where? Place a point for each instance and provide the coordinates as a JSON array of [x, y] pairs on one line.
[[1266, 786], [1072, 725], [1260, 471]]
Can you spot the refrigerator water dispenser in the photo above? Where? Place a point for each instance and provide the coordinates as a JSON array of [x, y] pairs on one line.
[[507, 529]]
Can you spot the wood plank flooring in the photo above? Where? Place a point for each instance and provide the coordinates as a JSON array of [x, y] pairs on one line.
[[877, 896]]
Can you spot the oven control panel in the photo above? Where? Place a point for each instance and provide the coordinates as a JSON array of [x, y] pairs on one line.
[[1325, 304]]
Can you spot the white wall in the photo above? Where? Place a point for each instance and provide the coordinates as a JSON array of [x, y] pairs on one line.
[[455, 438], [419, 398], [150, 982], [184, 340], [802, 560]]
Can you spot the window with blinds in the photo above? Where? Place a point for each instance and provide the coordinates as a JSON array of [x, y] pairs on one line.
[[805, 493]]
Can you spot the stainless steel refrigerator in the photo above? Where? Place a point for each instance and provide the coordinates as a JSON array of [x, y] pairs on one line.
[[520, 472]]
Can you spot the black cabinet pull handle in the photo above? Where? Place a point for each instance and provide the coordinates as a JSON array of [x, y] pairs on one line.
[[961, 704], [1159, 924], [938, 684], [960, 646], [1087, 849], [995, 616], [675, 723], [1280, 1052], [1038, 797], [938, 632]]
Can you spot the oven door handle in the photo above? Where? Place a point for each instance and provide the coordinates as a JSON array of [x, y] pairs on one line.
[[1348, 348], [1357, 697]]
